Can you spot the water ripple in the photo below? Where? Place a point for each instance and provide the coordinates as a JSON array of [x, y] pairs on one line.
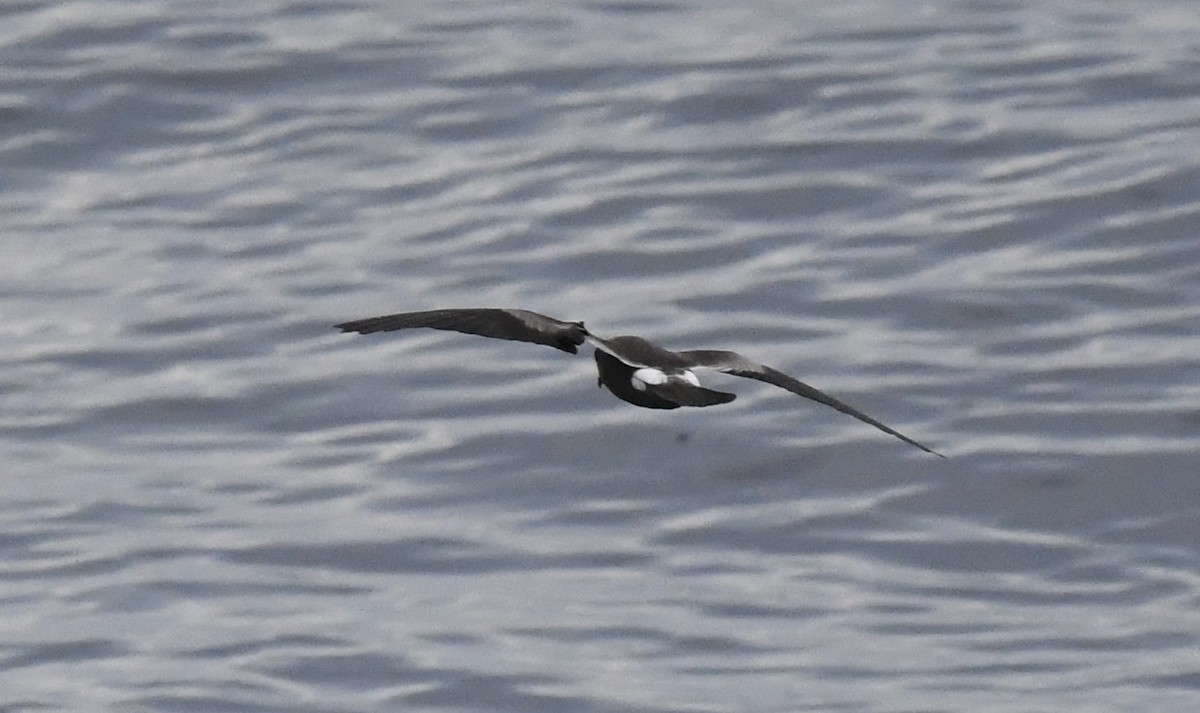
[[975, 221]]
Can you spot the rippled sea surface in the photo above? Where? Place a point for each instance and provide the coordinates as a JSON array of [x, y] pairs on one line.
[[977, 221]]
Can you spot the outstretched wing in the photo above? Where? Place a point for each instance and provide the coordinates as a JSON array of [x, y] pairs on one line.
[[738, 365], [516, 324]]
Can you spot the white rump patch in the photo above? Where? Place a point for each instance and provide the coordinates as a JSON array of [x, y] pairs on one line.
[[649, 376]]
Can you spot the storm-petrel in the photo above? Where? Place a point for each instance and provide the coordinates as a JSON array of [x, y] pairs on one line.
[[633, 369]]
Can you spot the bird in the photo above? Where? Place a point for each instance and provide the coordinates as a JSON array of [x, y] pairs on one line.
[[634, 369]]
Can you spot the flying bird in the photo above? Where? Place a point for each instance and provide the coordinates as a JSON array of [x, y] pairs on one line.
[[632, 368]]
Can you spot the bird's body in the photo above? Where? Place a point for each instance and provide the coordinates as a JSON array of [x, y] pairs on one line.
[[633, 369], [667, 384]]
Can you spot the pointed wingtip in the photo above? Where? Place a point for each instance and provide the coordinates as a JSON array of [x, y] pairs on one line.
[[922, 446]]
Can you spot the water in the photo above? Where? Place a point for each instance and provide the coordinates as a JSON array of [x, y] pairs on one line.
[[975, 221]]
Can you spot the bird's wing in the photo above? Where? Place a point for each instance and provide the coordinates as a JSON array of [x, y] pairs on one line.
[[738, 365], [637, 352], [607, 346], [515, 324]]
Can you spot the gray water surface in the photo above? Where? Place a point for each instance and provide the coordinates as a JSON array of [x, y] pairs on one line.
[[976, 221]]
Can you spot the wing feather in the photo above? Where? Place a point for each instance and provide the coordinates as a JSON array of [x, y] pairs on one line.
[[514, 324], [738, 365]]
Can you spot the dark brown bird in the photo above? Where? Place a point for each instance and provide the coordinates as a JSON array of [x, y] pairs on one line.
[[633, 369]]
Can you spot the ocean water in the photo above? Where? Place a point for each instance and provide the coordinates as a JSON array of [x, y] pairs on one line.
[[976, 221]]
